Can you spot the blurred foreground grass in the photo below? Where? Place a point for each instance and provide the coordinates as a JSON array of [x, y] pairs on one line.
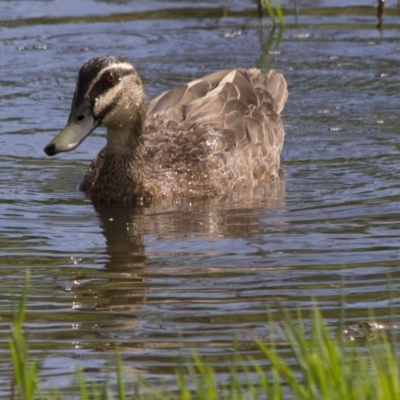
[[326, 366]]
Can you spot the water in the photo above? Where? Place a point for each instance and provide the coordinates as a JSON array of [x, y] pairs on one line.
[[163, 281]]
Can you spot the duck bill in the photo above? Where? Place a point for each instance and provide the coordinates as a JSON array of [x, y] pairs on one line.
[[81, 124]]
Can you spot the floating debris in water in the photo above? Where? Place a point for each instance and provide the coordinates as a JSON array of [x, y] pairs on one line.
[[367, 329], [76, 260], [301, 36], [40, 47], [232, 34]]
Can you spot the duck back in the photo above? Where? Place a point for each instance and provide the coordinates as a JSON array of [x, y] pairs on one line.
[[217, 134]]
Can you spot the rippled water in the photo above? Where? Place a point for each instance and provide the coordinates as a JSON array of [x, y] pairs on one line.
[[192, 276]]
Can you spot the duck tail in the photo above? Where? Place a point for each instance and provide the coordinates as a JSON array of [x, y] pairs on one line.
[[272, 82], [277, 88]]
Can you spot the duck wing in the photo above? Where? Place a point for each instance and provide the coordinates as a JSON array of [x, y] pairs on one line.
[[225, 126], [241, 102]]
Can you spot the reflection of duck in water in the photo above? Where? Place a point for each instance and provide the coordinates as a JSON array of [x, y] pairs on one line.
[[216, 135], [123, 287]]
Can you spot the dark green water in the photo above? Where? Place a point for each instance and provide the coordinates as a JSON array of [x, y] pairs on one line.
[[162, 281]]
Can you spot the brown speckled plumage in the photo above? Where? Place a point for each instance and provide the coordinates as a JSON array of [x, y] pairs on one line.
[[216, 135]]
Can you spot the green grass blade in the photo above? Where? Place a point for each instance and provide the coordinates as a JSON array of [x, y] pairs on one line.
[[25, 373], [82, 385], [270, 11], [120, 382], [279, 13]]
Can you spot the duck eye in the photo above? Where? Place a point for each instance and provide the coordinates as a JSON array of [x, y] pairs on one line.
[[110, 78]]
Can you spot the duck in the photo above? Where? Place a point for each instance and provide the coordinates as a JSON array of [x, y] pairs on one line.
[[214, 136]]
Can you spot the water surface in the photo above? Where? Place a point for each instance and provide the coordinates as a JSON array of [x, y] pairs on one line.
[[162, 281]]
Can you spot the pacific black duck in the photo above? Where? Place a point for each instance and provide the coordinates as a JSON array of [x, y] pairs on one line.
[[216, 135]]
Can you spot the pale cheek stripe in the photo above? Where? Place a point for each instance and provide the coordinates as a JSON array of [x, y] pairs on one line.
[[104, 100]]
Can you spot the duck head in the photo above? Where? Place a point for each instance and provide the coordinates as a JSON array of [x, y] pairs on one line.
[[108, 92]]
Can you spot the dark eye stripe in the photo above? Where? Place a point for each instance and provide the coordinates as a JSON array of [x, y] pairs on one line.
[[101, 86], [109, 107]]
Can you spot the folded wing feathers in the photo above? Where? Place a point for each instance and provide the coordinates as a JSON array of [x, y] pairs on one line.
[[239, 102]]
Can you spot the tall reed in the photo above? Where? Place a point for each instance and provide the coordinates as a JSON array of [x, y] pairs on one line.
[[278, 11]]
